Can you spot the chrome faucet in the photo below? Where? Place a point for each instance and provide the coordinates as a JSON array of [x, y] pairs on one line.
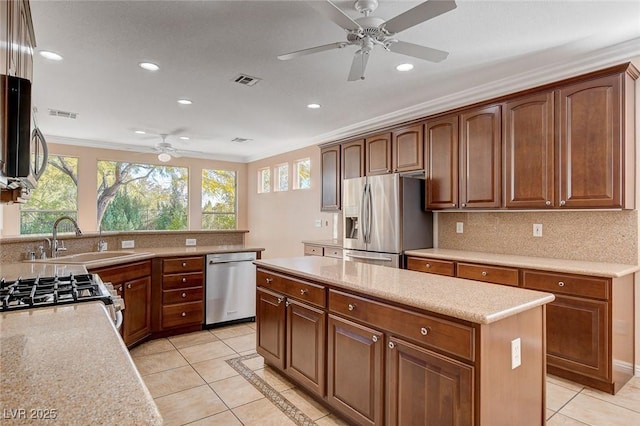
[[54, 241]]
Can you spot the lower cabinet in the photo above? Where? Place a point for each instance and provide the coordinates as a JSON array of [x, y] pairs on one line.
[[270, 325], [182, 302]]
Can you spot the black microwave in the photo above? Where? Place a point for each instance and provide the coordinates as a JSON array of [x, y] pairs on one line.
[[24, 152]]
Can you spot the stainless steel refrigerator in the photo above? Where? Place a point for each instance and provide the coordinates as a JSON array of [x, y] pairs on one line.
[[382, 217]]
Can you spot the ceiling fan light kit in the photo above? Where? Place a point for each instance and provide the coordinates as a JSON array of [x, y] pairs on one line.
[[164, 157], [368, 31]]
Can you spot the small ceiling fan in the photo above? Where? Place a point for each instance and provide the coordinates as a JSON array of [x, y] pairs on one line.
[[368, 31], [165, 150]]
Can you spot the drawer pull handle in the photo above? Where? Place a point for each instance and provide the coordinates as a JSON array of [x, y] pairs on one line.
[[184, 295], [484, 273], [184, 280], [392, 345], [303, 291], [428, 265], [184, 264], [425, 330], [351, 307], [128, 285], [280, 300], [560, 283], [184, 314], [374, 339], [269, 280]]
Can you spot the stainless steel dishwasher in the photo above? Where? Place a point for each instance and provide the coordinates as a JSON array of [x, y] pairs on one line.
[[231, 287]]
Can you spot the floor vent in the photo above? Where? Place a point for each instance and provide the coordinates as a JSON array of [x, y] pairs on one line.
[[241, 140], [63, 114], [246, 80]]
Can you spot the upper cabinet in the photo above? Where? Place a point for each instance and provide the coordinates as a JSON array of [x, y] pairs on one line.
[[441, 162], [378, 154], [406, 149], [331, 179], [353, 159]]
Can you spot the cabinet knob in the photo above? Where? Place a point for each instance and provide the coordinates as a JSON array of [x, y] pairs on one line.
[[547, 203], [428, 265], [287, 303], [562, 202], [351, 307], [184, 295], [303, 291], [184, 314], [560, 284], [184, 264], [484, 273], [120, 289], [464, 204], [453, 204], [128, 285], [392, 345], [184, 279], [374, 339], [269, 280], [280, 300], [425, 330]]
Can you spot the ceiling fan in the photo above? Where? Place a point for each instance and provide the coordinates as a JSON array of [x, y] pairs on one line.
[[165, 150], [368, 31]]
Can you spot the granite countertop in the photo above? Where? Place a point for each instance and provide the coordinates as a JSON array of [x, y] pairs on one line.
[[468, 300], [69, 362], [598, 269], [329, 243]]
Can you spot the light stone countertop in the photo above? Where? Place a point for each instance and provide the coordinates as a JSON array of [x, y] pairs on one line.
[[70, 359], [598, 269], [328, 243], [12, 271], [474, 301]]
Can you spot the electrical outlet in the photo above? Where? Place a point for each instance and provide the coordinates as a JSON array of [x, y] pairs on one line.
[[537, 230], [516, 353], [128, 244], [190, 242], [459, 227]]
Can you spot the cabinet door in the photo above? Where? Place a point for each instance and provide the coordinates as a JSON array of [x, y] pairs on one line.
[[529, 151], [480, 147], [306, 335], [577, 337], [355, 371], [378, 154], [270, 323], [137, 312], [426, 388], [441, 163], [590, 143], [353, 159], [407, 147], [330, 164]]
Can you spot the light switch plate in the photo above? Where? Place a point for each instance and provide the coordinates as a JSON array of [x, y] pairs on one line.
[[128, 244], [537, 230], [516, 353], [459, 227], [190, 242]]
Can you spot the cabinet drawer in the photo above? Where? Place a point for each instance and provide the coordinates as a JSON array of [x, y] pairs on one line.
[[489, 274], [182, 314], [184, 295], [291, 287], [433, 266], [575, 285], [312, 250], [333, 252], [427, 330], [120, 274], [175, 281], [183, 264]]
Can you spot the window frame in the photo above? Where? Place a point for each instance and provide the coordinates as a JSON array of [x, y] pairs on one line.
[[204, 213], [261, 180], [277, 177], [296, 174]]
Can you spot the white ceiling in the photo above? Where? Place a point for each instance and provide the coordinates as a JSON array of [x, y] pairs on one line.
[[495, 47]]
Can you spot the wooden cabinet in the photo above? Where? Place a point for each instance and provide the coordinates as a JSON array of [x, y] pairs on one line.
[[352, 159], [441, 388], [291, 328], [355, 371], [529, 135], [182, 292], [378, 154], [432, 266], [488, 273], [441, 162], [133, 283], [407, 148], [331, 179], [322, 250]]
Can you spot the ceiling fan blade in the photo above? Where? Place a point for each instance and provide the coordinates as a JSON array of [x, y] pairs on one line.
[[422, 12], [417, 51], [177, 131], [334, 13], [303, 52], [358, 66]]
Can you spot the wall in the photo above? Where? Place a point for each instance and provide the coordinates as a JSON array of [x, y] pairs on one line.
[[280, 221], [88, 183]]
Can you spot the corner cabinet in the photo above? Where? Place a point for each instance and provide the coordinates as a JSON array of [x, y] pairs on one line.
[[331, 178]]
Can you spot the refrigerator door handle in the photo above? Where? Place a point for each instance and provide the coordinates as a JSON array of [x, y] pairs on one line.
[[369, 213], [363, 217]]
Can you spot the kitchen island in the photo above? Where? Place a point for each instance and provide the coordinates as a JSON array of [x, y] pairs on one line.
[[388, 346]]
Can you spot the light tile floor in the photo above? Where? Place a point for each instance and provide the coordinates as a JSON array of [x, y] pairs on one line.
[[191, 382]]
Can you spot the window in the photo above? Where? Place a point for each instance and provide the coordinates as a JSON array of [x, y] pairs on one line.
[[218, 199], [264, 180], [142, 196], [281, 172], [302, 174], [55, 196]]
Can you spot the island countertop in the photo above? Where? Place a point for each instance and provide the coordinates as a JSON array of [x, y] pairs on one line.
[[68, 363], [468, 300]]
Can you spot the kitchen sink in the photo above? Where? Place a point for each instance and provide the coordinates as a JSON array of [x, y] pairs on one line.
[[92, 257]]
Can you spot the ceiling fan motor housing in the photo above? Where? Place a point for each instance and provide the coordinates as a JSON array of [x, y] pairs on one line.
[[366, 6]]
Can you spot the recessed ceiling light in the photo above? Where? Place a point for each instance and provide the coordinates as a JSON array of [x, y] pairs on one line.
[[313, 106], [184, 138], [149, 66], [184, 102], [404, 67], [141, 132], [50, 55]]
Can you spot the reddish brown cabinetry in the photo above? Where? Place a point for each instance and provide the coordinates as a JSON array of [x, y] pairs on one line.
[[331, 179], [182, 292], [352, 159], [378, 154], [441, 162], [407, 148]]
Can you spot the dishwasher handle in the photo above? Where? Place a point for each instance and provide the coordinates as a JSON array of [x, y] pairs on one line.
[[216, 262]]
